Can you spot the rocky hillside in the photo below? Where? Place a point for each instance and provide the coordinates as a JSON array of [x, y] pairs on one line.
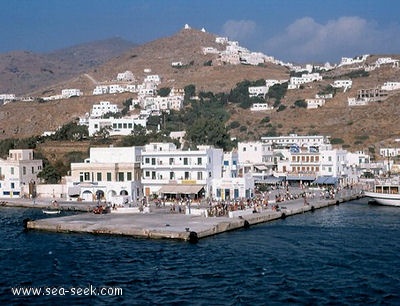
[[359, 127], [23, 72]]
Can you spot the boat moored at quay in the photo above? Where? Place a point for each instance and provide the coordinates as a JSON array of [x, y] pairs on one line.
[[385, 192]]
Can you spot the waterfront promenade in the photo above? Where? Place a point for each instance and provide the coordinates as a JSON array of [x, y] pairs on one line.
[[161, 223]]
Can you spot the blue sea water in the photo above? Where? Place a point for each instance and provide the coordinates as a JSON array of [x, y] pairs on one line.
[[347, 254]]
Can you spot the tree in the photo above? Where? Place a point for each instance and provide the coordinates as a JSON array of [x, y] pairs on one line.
[[190, 91], [49, 174], [209, 131], [164, 91], [71, 131], [301, 103]]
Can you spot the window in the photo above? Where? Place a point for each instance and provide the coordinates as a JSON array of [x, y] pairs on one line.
[[129, 176], [96, 126], [108, 176], [147, 174], [153, 175], [12, 170], [12, 185], [147, 160], [199, 175], [23, 170], [185, 161], [171, 175], [121, 176], [153, 161], [199, 161], [86, 176], [33, 170], [125, 125], [98, 176], [187, 175], [171, 160]]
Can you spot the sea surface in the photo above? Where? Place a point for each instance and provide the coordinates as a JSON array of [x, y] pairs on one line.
[[347, 254]]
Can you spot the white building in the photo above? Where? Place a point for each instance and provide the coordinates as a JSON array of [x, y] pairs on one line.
[[352, 101], [342, 83], [221, 40], [258, 107], [255, 153], [324, 96], [101, 90], [210, 50], [102, 108], [391, 86], [71, 92], [295, 82], [116, 126], [170, 172], [177, 64], [287, 141], [153, 78], [314, 103], [355, 60], [258, 91], [126, 76], [18, 174], [107, 175], [7, 97]]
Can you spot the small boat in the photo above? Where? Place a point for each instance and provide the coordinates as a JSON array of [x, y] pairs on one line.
[[51, 212], [386, 193]]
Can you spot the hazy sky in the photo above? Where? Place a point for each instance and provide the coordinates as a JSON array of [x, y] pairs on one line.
[[290, 30]]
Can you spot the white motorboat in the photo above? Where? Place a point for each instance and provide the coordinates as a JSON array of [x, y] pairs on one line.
[[385, 194], [51, 212]]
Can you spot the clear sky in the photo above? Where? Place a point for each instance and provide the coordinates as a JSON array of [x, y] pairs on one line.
[[298, 31]]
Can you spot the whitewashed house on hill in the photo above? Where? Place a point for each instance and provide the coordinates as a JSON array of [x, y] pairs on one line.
[[116, 126], [391, 86], [71, 92], [315, 103], [342, 83], [126, 76], [103, 108], [259, 107], [295, 82]]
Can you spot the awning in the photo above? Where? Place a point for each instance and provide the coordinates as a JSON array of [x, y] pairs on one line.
[[269, 180], [181, 189], [74, 191], [260, 167], [326, 180], [299, 178]]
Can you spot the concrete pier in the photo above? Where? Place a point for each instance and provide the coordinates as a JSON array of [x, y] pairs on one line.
[[161, 224]]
